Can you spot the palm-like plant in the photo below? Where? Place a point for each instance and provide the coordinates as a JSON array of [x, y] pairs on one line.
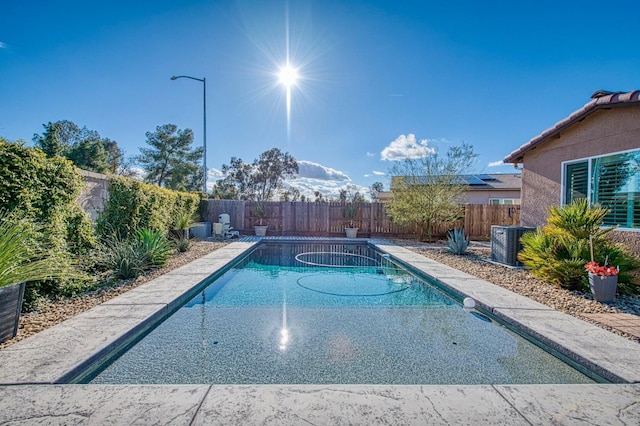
[[558, 252]]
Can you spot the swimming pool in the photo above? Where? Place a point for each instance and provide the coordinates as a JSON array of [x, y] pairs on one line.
[[296, 313]]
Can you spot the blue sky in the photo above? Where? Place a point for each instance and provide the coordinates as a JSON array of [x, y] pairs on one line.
[[375, 76]]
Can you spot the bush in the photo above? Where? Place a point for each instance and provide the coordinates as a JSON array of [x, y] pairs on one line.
[[44, 190], [135, 205], [123, 259], [130, 258], [558, 252]]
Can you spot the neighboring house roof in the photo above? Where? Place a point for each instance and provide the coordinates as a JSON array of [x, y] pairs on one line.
[[498, 181], [600, 100]]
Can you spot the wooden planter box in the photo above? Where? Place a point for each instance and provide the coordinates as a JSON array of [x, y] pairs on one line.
[[10, 306]]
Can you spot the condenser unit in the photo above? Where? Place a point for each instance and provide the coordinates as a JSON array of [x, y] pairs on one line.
[[505, 243]]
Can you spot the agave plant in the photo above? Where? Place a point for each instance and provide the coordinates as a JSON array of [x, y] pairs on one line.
[[457, 242], [156, 247], [122, 258]]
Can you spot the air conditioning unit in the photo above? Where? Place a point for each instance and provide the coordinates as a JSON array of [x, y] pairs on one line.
[[505, 243]]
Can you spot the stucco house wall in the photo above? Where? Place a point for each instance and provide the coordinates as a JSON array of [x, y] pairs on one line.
[[610, 123], [603, 132], [483, 197]]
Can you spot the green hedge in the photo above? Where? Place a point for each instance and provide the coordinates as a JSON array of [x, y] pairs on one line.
[[45, 190], [134, 205]]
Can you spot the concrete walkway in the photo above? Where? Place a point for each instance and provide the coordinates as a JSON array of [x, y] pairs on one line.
[[31, 370]]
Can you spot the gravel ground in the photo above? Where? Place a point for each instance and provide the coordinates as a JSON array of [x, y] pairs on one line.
[[523, 282], [54, 312], [474, 263]]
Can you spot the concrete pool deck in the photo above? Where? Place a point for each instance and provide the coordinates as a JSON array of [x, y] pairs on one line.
[[31, 370]]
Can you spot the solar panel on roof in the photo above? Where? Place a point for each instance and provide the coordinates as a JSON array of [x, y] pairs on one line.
[[474, 180], [485, 177]]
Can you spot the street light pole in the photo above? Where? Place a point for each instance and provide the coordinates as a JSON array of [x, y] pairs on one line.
[[204, 138]]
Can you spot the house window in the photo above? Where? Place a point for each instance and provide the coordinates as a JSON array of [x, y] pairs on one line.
[[613, 181], [497, 201]]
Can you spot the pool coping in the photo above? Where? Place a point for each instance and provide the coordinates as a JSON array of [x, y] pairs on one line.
[[57, 354]]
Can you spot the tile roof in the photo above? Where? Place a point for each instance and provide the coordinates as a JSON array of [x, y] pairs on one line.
[[601, 99]]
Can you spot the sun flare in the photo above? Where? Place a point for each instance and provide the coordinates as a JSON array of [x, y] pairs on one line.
[[288, 76]]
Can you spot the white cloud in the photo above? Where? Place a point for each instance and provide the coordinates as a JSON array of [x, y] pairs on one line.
[[3, 45], [328, 189], [495, 164], [214, 174], [406, 147], [310, 170], [377, 173], [370, 154]]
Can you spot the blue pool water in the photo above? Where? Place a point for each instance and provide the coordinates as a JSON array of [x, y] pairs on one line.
[[339, 314]]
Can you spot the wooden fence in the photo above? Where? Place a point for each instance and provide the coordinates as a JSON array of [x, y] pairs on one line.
[[327, 219]]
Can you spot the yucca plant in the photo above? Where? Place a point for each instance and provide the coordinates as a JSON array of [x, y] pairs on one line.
[[457, 242]]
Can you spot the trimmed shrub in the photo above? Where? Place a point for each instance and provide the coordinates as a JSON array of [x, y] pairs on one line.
[[135, 205]]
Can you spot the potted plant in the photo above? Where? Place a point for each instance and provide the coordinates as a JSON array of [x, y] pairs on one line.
[[603, 280], [350, 212], [22, 259], [182, 221], [260, 228]]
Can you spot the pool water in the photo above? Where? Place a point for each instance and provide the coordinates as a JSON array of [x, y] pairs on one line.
[[284, 317]]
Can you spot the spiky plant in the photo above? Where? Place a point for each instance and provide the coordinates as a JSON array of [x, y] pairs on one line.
[[23, 257], [122, 259], [156, 247], [457, 242]]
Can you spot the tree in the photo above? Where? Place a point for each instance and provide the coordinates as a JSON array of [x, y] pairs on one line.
[[260, 181], [429, 190], [350, 194], [271, 169], [375, 189], [170, 162], [84, 147]]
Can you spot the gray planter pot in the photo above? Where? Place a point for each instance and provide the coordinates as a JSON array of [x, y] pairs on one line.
[[351, 232], [603, 288], [10, 306], [261, 230]]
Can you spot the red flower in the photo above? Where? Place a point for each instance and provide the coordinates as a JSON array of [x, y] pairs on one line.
[[594, 268]]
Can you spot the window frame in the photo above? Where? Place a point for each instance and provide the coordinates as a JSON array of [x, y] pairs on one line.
[[589, 161]]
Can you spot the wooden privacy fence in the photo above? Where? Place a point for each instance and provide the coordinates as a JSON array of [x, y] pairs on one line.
[[328, 220]]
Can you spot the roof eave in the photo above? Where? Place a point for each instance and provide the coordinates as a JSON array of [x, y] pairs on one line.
[[612, 100]]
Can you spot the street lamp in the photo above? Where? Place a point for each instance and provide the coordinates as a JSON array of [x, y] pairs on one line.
[[204, 139]]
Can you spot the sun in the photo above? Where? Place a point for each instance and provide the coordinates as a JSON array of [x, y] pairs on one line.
[[288, 76]]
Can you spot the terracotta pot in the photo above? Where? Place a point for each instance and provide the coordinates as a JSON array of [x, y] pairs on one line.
[[603, 287], [10, 306]]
